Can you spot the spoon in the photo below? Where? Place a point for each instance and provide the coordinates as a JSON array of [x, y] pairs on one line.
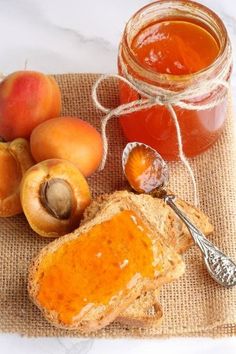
[[147, 171]]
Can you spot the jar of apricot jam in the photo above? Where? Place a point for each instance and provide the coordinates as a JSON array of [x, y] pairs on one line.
[[169, 44]]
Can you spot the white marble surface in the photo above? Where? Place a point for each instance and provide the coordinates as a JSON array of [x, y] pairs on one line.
[[82, 36]]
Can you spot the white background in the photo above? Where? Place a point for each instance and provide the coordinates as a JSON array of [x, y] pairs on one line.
[[57, 36]]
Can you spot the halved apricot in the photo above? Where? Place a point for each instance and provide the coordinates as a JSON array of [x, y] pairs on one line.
[[54, 195], [15, 159]]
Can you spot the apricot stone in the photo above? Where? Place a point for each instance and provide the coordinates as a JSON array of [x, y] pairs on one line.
[[54, 194]]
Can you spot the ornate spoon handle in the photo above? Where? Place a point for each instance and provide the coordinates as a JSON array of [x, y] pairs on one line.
[[221, 268]]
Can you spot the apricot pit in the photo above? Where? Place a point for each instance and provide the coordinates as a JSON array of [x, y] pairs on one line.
[[54, 194]]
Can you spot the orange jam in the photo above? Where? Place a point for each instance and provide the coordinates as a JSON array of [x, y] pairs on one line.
[[95, 266], [175, 47], [170, 52], [144, 170]]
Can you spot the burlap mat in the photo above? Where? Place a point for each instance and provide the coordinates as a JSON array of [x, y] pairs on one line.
[[194, 305]]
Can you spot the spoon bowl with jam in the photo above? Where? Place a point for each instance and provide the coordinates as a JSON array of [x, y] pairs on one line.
[[146, 171]]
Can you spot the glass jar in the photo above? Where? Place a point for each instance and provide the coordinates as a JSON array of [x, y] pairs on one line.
[[154, 126]]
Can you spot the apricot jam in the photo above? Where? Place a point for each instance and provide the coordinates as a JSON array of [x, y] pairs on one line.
[[144, 169], [95, 266], [171, 44], [175, 47]]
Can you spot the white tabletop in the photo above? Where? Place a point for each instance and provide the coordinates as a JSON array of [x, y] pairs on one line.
[[58, 36]]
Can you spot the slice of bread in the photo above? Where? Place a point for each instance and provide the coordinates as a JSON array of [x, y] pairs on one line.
[[167, 265], [160, 215], [145, 311], [174, 232]]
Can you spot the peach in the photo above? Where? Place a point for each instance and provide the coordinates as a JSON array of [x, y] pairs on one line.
[[68, 138], [15, 159], [54, 195], [27, 98]]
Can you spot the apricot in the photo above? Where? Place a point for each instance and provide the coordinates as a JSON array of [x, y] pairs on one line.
[[15, 159], [27, 98], [68, 138], [54, 194]]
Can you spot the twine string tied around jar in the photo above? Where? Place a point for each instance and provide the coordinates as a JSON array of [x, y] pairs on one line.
[[152, 96]]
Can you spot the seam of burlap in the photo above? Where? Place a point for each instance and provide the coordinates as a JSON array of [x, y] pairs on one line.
[[194, 305]]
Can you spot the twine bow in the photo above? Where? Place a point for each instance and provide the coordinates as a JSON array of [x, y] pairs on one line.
[[157, 96]]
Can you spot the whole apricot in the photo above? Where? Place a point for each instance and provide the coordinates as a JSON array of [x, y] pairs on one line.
[[15, 159], [27, 98], [54, 194], [68, 138]]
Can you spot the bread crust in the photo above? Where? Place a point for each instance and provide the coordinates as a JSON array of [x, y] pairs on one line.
[[96, 317], [175, 234], [160, 214]]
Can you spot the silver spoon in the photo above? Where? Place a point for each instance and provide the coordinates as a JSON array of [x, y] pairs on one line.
[[221, 268]]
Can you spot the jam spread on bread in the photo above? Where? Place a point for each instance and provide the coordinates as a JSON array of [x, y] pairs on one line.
[[96, 266]]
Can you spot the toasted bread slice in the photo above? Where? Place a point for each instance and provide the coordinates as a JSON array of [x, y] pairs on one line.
[[160, 215], [167, 266], [172, 229], [145, 311]]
